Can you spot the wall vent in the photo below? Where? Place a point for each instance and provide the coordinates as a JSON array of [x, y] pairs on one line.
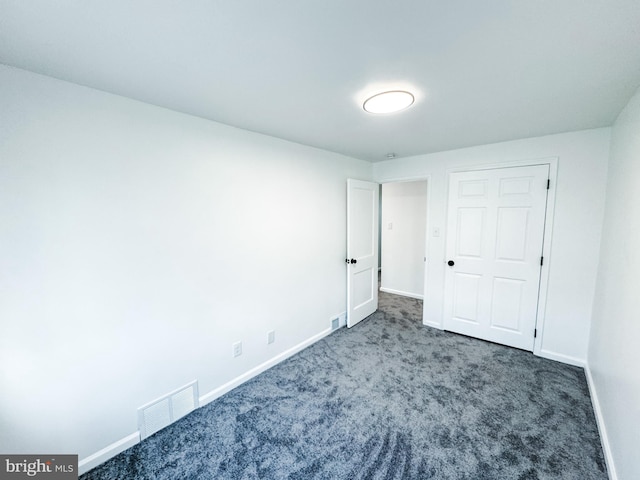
[[163, 411]]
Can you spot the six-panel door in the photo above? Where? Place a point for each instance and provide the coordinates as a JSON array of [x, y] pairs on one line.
[[495, 230]]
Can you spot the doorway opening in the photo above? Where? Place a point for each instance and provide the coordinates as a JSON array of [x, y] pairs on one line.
[[402, 239]]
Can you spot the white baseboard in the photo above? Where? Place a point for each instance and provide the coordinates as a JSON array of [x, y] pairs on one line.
[[400, 292], [129, 441], [230, 385], [108, 452], [559, 357], [604, 439]]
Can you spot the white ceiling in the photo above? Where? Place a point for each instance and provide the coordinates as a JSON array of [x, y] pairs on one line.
[[482, 71]]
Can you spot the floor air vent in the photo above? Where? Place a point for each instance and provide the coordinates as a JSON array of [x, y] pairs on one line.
[[156, 415]]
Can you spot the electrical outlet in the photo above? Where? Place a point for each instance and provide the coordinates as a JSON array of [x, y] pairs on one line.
[[335, 323], [237, 349], [271, 336]]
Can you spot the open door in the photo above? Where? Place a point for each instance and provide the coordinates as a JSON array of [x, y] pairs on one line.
[[362, 250]]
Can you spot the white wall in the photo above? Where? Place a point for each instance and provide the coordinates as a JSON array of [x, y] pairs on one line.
[[137, 244], [582, 164], [614, 347], [403, 226]]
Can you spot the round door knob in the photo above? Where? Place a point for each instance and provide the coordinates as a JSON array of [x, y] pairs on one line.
[[451, 263], [353, 260]]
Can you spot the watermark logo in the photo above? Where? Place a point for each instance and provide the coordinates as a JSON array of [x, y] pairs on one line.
[[50, 467]]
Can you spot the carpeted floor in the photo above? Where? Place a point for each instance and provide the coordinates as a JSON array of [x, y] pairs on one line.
[[387, 399]]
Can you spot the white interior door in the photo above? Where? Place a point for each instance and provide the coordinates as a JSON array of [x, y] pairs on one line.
[[495, 230], [362, 250]]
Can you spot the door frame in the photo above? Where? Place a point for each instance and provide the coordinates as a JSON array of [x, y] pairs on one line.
[[552, 162]]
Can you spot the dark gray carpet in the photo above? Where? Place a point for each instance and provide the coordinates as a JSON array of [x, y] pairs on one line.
[[388, 399]]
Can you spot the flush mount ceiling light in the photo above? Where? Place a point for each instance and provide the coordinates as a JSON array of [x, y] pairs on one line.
[[388, 102]]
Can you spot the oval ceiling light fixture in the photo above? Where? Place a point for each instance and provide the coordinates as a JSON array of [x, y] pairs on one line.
[[388, 102]]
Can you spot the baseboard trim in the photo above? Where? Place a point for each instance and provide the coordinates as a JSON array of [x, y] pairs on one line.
[[108, 452], [559, 357], [400, 292], [604, 439], [129, 441], [230, 385]]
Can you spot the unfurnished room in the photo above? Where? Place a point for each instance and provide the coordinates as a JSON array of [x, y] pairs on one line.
[[320, 240]]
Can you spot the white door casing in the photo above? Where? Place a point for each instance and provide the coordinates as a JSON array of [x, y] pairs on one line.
[[495, 233], [362, 250]]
